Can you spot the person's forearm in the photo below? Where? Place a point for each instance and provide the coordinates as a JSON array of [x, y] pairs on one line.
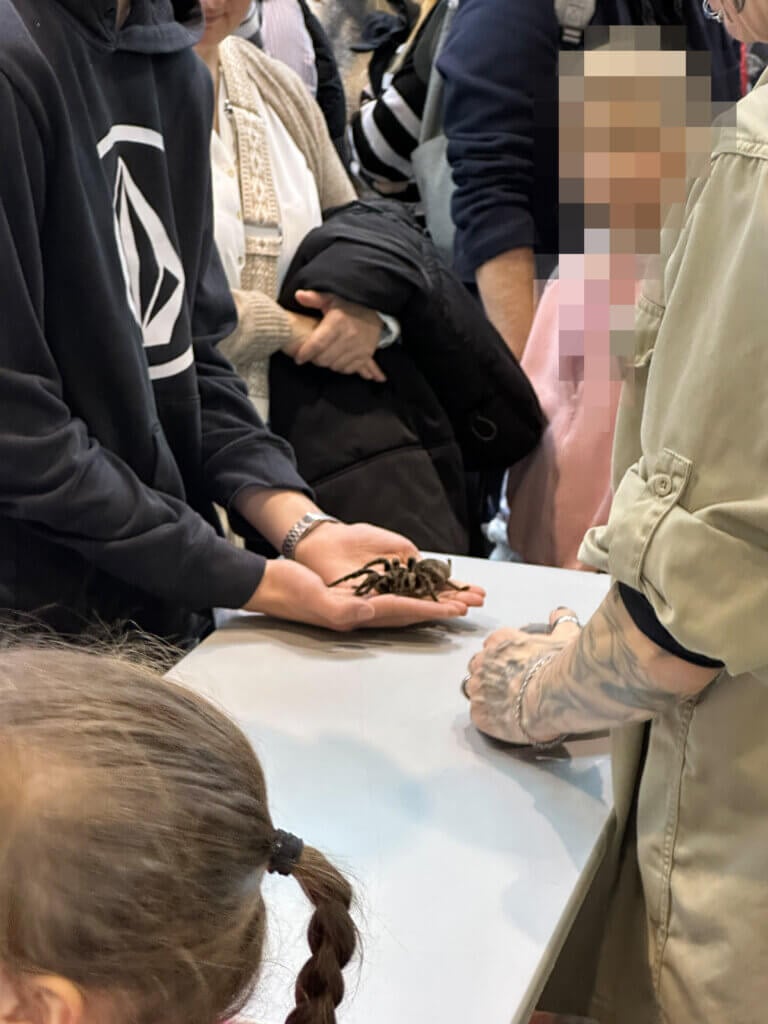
[[611, 675], [273, 513], [507, 289]]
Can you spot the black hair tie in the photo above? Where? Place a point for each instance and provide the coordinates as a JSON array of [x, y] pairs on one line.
[[284, 853]]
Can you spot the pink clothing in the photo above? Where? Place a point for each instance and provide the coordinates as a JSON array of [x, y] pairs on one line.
[[563, 488]]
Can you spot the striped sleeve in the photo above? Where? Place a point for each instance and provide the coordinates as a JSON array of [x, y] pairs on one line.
[[385, 132]]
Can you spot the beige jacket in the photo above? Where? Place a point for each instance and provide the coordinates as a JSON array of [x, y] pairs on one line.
[[263, 326], [689, 528]]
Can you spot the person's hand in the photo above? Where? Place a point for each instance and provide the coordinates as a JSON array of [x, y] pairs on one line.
[[344, 340], [291, 591], [302, 328], [335, 549], [497, 672]]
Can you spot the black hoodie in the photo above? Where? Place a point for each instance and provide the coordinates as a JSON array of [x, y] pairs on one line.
[[120, 422]]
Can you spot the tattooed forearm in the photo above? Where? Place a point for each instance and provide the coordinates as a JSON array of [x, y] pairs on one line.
[[606, 678]]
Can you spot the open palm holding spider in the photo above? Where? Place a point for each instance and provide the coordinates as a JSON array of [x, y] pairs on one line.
[[336, 551]]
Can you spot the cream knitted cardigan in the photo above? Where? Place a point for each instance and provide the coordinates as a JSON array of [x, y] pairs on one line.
[[263, 326]]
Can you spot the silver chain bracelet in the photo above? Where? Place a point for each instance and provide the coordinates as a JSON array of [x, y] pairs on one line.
[[533, 671]]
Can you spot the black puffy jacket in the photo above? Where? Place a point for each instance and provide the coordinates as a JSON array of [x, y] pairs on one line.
[[455, 399]]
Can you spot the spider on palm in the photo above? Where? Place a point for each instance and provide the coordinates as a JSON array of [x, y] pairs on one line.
[[424, 578]]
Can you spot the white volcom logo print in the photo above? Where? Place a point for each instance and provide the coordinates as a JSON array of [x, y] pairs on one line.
[[152, 270]]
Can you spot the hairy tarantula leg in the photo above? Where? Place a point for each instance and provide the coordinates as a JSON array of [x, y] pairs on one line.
[[372, 583], [349, 576], [447, 585]]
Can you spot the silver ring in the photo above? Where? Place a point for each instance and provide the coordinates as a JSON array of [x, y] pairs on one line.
[[565, 618], [464, 682]]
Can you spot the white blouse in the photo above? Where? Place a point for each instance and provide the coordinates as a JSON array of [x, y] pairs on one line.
[[298, 201]]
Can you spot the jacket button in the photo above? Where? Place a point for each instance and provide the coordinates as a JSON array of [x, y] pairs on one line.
[[662, 485]]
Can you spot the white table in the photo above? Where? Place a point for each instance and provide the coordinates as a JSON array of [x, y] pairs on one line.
[[470, 860]]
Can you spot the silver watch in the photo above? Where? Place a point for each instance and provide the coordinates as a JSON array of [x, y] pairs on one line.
[[299, 531]]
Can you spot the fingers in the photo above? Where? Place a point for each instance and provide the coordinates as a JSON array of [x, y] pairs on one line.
[[332, 346], [502, 636], [563, 626], [405, 611], [365, 367], [485, 721], [475, 664], [319, 341], [313, 300], [371, 367], [470, 598], [349, 360], [472, 588], [559, 612]]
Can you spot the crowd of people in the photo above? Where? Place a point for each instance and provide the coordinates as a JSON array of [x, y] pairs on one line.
[[512, 309]]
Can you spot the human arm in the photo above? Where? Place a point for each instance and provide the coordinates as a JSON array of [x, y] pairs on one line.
[[343, 340], [499, 65], [332, 550], [507, 289], [607, 675], [687, 524], [250, 472], [263, 328], [385, 130], [57, 477]]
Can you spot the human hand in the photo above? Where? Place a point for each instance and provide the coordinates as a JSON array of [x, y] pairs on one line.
[[344, 341], [335, 549], [291, 591], [496, 674], [302, 328]]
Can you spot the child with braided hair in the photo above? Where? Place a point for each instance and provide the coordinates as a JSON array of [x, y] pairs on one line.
[[134, 838]]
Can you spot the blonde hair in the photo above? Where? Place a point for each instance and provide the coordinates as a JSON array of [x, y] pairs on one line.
[[134, 832]]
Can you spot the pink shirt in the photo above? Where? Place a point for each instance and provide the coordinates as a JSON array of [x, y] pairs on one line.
[[563, 488]]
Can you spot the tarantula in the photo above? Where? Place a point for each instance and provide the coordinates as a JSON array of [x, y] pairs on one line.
[[425, 578]]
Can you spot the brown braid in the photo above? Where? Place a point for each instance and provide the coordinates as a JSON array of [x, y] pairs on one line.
[[332, 938]]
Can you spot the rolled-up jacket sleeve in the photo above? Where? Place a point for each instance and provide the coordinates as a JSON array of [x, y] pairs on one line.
[[689, 522], [499, 64]]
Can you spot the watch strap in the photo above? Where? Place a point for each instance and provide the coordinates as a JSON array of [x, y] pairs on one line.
[[300, 529]]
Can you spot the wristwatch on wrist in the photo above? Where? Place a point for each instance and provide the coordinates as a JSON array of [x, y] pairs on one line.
[[299, 531]]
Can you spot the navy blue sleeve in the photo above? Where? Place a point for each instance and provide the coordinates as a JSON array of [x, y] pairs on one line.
[[55, 476], [644, 617], [500, 69]]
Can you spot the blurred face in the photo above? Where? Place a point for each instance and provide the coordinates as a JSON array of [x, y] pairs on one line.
[[746, 20], [623, 144], [222, 17]]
